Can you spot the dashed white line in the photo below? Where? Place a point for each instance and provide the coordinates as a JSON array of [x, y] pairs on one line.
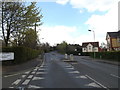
[[12, 75], [23, 76], [70, 68], [83, 77], [93, 85], [41, 69], [11, 87], [74, 72], [33, 72], [27, 72], [114, 75], [30, 76], [16, 82], [26, 82], [37, 78], [96, 82], [33, 86], [41, 72]]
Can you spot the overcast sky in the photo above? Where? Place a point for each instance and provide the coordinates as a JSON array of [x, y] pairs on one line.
[[69, 20]]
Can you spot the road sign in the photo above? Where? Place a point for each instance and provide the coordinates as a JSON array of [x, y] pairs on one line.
[[6, 56]]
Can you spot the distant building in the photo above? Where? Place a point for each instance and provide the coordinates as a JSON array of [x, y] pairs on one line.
[[90, 47], [113, 41]]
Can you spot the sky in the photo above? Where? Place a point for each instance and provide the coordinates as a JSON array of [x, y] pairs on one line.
[[70, 20]]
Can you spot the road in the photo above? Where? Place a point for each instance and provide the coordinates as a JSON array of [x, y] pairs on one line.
[[55, 73]]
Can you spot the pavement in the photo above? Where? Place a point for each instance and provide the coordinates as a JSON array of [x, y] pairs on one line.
[[101, 60], [6, 70]]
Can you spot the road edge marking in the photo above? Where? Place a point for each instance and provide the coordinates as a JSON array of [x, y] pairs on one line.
[[114, 75], [96, 82]]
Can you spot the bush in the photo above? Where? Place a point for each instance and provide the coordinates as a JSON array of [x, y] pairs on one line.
[[114, 56], [21, 54]]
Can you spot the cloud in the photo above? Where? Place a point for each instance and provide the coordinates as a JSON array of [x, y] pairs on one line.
[[90, 5], [102, 24], [56, 34], [63, 2]]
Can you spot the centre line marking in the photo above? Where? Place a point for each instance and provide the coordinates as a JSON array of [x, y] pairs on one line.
[[96, 82], [114, 75]]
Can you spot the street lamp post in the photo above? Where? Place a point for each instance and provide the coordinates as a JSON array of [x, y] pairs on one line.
[[93, 42]]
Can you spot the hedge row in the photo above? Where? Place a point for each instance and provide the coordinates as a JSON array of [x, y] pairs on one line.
[[113, 56], [21, 54]]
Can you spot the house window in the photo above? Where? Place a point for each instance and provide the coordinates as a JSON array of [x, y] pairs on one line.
[[89, 47]]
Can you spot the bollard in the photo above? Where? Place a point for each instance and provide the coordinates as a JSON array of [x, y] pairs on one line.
[[66, 57], [71, 57]]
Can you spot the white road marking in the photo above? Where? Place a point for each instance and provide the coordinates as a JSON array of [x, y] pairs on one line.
[[27, 72], [83, 77], [74, 72], [16, 82], [26, 82], [96, 82], [41, 72], [41, 69], [33, 86], [35, 69], [23, 76], [12, 75], [11, 87], [70, 68], [38, 78], [114, 75], [93, 85], [30, 76], [33, 72]]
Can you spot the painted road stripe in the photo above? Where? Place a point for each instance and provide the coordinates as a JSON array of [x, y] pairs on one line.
[[41, 69], [93, 85], [83, 77], [96, 82], [11, 87], [33, 72], [33, 86], [74, 72], [27, 72], [70, 68], [23, 76], [38, 78], [114, 75], [35, 69], [30, 76], [41, 72], [12, 75], [16, 82], [26, 82]]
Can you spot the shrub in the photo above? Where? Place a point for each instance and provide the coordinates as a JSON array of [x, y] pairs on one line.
[[114, 56], [21, 54]]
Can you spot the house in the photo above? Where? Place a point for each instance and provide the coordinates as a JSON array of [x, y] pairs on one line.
[[90, 47], [113, 41]]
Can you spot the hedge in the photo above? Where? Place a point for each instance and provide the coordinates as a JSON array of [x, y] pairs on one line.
[[21, 54], [113, 56]]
